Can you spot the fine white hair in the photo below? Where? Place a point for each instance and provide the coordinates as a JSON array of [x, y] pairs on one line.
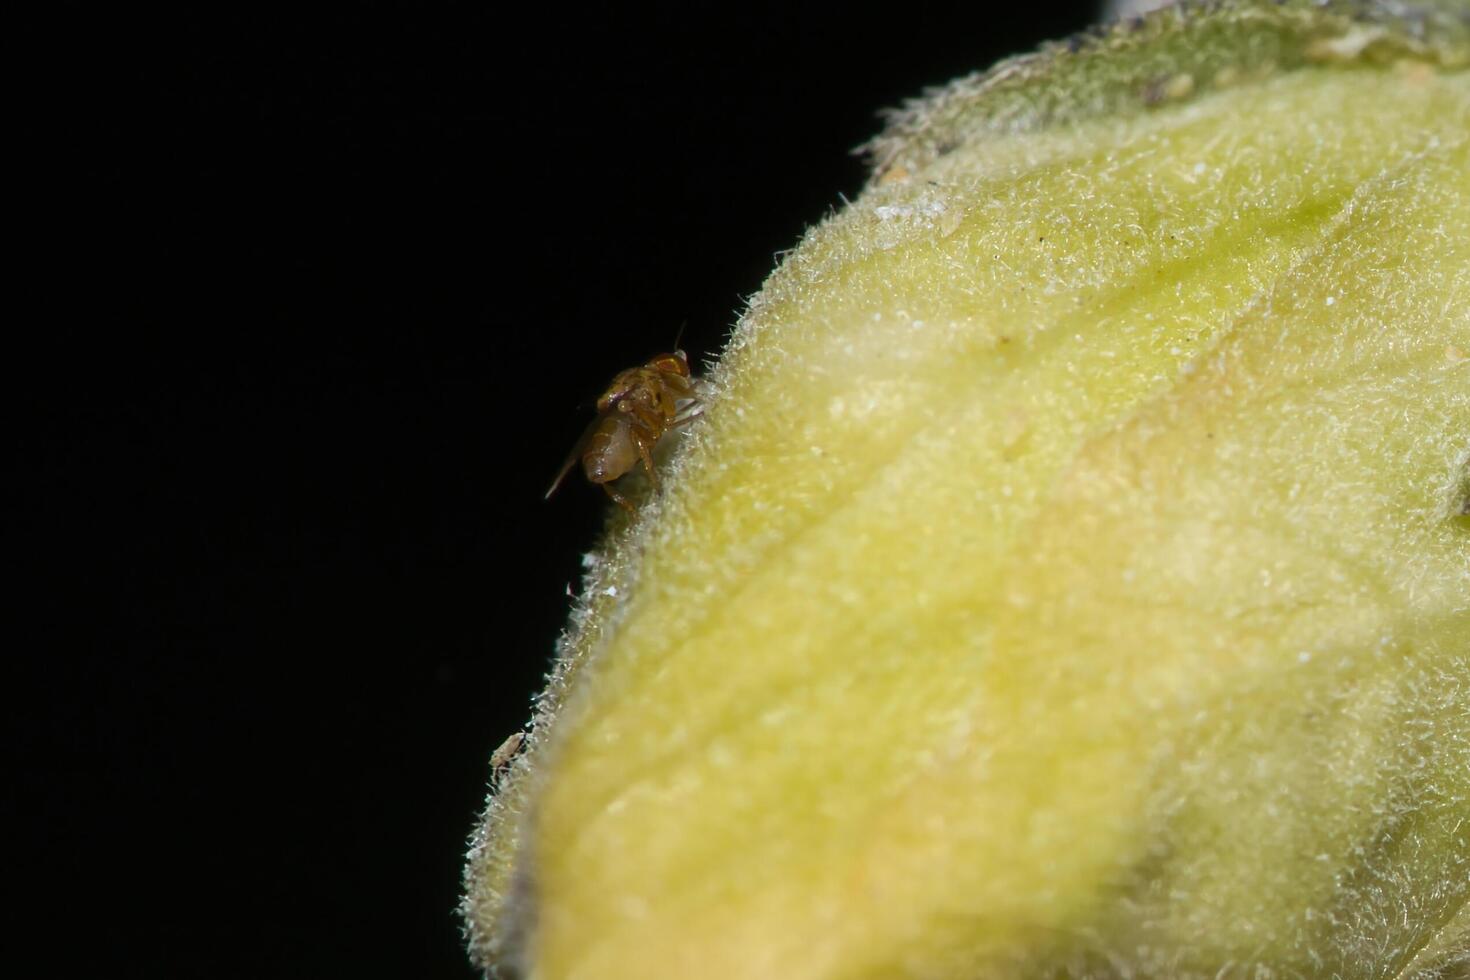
[[1115, 9]]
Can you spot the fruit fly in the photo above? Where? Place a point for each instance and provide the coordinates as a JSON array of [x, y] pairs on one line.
[[638, 407], [502, 756]]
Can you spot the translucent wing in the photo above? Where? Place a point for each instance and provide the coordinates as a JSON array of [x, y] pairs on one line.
[[578, 448]]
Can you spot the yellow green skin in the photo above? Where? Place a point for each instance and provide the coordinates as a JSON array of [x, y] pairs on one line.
[[1067, 577]]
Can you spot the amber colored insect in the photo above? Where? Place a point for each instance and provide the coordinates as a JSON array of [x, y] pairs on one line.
[[633, 414]]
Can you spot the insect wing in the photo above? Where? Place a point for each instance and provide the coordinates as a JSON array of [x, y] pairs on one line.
[[578, 448]]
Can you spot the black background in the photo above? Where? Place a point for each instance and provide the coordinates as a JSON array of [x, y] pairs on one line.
[[323, 299]]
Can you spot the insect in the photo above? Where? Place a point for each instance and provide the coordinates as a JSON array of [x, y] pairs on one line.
[[501, 757], [638, 407]]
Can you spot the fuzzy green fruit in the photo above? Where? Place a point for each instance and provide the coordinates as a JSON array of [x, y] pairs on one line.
[[1068, 576]]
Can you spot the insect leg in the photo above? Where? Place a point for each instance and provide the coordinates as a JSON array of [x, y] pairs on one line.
[[644, 441], [690, 413], [618, 498]]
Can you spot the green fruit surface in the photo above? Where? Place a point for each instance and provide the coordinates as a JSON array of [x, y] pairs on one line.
[[1067, 577]]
